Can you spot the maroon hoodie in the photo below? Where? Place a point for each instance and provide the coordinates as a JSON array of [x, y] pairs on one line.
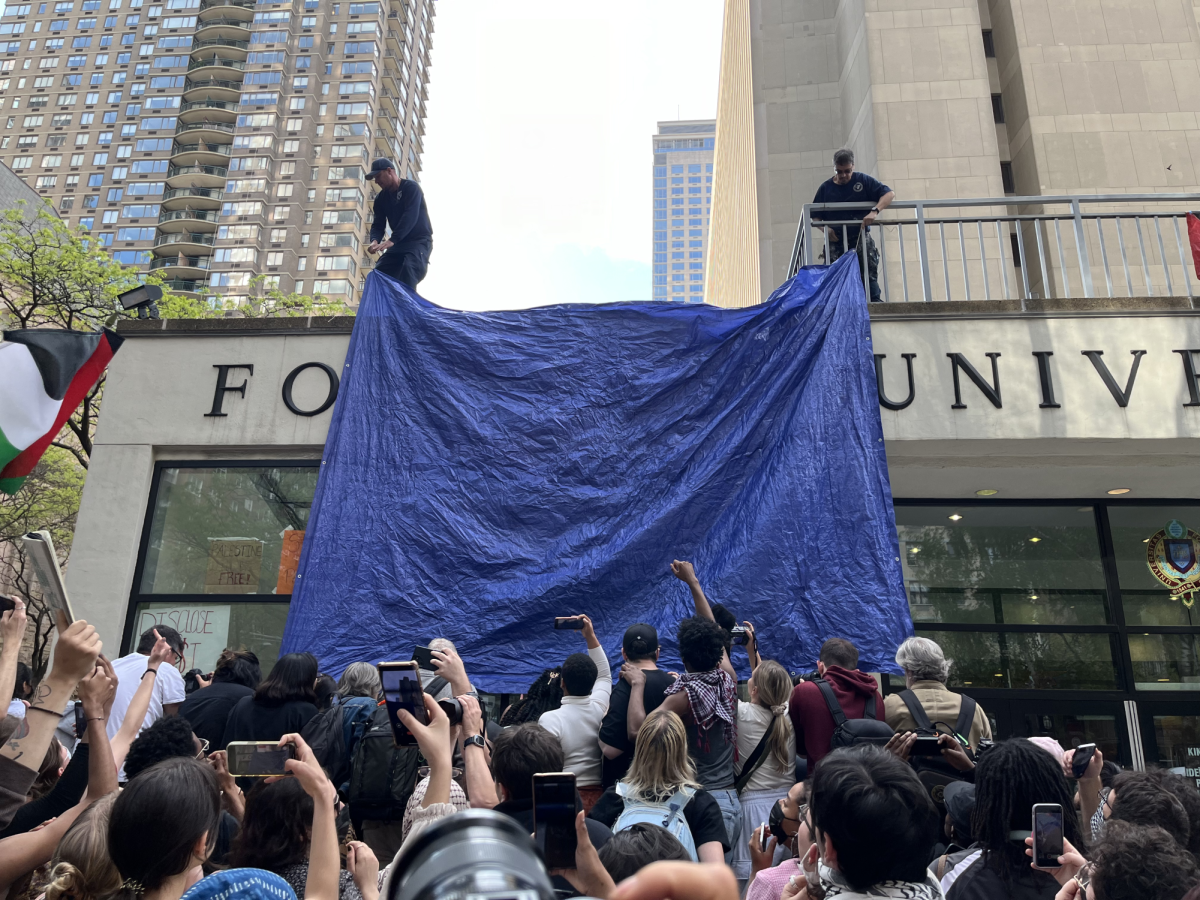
[[810, 714]]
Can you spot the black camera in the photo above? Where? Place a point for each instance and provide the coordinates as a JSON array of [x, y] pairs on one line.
[[740, 635], [453, 710], [191, 683]]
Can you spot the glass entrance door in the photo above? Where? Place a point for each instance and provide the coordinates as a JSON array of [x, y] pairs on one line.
[[1171, 736], [1069, 722]]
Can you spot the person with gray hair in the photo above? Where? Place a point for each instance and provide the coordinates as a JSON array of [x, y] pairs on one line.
[[361, 679], [926, 671]]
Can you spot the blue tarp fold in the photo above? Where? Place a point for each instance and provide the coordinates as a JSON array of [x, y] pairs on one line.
[[486, 472]]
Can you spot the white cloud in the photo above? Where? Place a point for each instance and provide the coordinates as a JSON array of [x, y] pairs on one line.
[[537, 161]]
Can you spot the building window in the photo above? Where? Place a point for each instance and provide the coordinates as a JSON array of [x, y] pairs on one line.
[[1006, 176], [989, 46], [998, 108]]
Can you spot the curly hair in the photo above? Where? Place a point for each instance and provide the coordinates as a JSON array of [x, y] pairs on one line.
[[1185, 792], [579, 673], [275, 830], [544, 695], [82, 868], [1009, 779], [1140, 862], [1143, 799], [168, 737], [701, 644]]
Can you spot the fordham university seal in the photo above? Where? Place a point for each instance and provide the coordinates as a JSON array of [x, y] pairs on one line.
[[1171, 557]]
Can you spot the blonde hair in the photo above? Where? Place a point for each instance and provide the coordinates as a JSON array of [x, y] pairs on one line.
[[774, 688], [82, 867], [661, 765]]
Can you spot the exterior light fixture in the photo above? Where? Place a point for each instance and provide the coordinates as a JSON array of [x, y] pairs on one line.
[[987, 492], [1034, 540], [1033, 596], [955, 517], [144, 299], [1119, 491]]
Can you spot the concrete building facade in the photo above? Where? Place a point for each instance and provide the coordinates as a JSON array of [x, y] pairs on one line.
[[683, 176], [212, 141], [962, 99]]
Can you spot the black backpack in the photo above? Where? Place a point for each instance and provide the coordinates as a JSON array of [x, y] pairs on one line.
[[851, 732], [326, 733], [935, 773], [382, 775]]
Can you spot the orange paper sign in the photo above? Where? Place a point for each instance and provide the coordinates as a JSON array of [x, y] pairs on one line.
[[289, 561]]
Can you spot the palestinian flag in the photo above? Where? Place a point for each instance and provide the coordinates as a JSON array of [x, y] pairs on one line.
[[44, 376]]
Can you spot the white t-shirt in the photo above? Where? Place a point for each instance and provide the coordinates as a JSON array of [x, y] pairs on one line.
[[576, 724], [16, 708], [168, 688], [753, 721]]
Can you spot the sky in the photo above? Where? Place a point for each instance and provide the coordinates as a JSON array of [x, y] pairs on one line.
[[537, 152]]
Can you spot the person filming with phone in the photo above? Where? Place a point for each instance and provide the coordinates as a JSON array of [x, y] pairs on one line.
[[587, 685], [926, 697]]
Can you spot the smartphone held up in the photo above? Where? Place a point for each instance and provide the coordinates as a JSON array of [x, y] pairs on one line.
[[258, 759], [554, 818], [568, 623], [1047, 835], [402, 691]]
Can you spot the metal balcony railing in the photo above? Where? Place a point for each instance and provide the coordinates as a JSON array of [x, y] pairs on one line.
[[183, 284], [211, 84], [202, 147], [188, 262], [223, 20], [208, 104], [216, 171], [221, 42], [206, 193], [199, 215], [184, 237], [183, 127], [1015, 248], [216, 61], [214, 4]]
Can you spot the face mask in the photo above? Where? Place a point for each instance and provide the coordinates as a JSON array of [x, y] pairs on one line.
[[776, 821]]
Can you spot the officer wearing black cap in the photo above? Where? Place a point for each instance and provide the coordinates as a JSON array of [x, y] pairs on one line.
[[400, 204]]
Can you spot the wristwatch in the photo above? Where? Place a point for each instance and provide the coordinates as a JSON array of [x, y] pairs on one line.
[[475, 740], [875, 210]]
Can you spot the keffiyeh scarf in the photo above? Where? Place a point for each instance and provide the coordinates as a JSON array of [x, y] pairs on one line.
[[712, 697]]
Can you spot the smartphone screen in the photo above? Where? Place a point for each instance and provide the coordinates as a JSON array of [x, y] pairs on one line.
[[568, 623], [926, 745], [258, 759], [402, 690], [1047, 835], [423, 657], [554, 818], [1082, 759]]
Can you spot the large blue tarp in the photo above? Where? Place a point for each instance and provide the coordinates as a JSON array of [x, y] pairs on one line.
[[486, 472]]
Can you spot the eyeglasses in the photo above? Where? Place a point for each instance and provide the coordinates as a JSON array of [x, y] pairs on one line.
[[1083, 878], [203, 751]]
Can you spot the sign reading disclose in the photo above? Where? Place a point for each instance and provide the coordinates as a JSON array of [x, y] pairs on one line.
[[205, 627]]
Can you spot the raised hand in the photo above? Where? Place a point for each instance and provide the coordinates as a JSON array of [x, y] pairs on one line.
[[684, 571]]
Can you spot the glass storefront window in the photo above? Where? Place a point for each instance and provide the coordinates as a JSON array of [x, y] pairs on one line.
[[1165, 662], [1073, 730], [228, 530], [1145, 599], [209, 628], [993, 565], [1038, 661], [1178, 739]]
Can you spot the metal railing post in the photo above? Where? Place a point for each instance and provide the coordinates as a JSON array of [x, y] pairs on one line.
[[1024, 266], [923, 250], [1085, 265]]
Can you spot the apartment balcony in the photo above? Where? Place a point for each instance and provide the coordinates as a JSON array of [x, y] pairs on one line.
[[204, 131], [1021, 253], [221, 89], [194, 111], [216, 64], [226, 9], [190, 220], [199, 197], [184, 285], [189, 243], [223, 27], [181, 266], [197, 176], [200, 153], [222, 44]]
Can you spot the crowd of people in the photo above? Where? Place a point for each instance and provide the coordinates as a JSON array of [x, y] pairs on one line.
[[115, 780]]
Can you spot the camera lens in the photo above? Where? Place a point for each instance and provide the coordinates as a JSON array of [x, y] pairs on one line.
[[477, 853], [453, 710]]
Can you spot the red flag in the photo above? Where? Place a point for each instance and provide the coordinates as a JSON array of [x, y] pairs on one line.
[[1194, 238]]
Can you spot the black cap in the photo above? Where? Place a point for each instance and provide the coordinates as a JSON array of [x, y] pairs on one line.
[[959, 797], [378, 166], [640, 641]]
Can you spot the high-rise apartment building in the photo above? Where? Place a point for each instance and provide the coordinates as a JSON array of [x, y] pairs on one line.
[[683, 174], [216, 140]]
